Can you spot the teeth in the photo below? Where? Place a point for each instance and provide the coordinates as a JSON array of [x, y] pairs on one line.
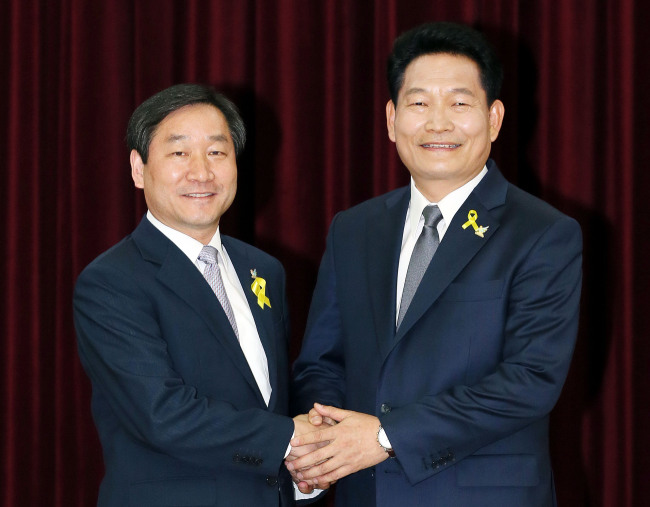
[[437, 145], [200, 195]]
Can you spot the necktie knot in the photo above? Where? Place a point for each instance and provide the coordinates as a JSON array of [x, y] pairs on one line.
[[208, 255], [432, 215]]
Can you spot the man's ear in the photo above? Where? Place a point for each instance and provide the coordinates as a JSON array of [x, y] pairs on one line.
[[497, 112], [137, 169], [390, 120]]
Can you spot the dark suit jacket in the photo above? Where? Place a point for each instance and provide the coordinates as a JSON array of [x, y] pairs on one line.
[[179, 414], [465, 386]]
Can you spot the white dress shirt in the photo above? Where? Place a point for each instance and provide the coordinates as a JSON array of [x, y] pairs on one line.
[[448, 205], [413, 225], [249, 339]]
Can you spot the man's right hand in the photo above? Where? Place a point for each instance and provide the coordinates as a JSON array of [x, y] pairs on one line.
[[303, 424]]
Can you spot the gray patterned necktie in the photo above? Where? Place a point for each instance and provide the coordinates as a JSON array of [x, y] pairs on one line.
[[425, 247], [212, 273]]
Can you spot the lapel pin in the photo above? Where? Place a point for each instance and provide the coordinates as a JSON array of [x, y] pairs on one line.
[[479, 230], [259, 289]]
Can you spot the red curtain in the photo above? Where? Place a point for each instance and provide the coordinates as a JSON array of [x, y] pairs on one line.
[[309, 77]]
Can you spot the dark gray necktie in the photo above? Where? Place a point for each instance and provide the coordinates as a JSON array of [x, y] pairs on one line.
[[212, 273], [425, 247]]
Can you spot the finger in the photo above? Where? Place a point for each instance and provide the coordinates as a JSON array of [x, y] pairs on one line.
[[298, 452], [305, 488], [319, 469], [294, 474], [337, 414], [322, 485], [312, 437], [329, 421], [324, 480], [310, 460], [315, 418]]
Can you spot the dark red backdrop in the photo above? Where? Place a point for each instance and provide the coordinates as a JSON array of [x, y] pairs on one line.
[[309, 78]]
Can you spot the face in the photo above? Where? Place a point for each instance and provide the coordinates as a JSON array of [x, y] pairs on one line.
[[442, 125], [190, 178]]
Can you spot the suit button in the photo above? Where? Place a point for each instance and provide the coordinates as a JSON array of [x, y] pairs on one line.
[[385, 408], [236, 458], [271, 481]]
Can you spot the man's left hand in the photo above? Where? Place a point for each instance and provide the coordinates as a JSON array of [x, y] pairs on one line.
[[352, 447]]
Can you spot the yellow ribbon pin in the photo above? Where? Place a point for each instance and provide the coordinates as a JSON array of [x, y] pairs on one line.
[[259, 289], [479, 230]]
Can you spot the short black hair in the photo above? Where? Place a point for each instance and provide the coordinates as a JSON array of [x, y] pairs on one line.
[[148, 115], [449, 38]]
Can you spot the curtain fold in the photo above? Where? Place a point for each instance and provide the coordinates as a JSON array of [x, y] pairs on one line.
[[309, 78]]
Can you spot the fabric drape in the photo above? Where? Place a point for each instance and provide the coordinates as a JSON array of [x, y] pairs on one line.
[[309, 77]]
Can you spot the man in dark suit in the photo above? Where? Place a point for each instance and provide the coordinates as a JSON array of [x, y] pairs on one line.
[[182, 331], [445, 313]]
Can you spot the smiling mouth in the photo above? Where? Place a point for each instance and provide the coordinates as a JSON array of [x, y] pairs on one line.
[[203, 194], [440, 145]]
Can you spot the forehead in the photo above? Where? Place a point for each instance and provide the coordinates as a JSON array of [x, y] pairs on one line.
[[441, 70], [195, 120]]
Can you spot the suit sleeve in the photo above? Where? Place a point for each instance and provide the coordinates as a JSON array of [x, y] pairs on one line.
[[123, 351], [319, 372], [539, 337]]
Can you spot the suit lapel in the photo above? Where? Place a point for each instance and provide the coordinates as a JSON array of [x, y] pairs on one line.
[[384, 240], [181, 276], [458, 246], [243, 264]]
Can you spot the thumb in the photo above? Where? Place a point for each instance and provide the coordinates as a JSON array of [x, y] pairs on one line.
[[315, 418], [305, 488], [338, 414]]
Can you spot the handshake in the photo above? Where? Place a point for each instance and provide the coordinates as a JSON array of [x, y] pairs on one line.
[[330, 443]]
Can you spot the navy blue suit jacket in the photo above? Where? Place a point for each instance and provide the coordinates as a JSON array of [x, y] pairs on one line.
[[465, 386], [179, 414]]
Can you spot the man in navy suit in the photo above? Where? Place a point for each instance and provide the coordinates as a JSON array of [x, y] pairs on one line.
[[187, 353], [447, 377]]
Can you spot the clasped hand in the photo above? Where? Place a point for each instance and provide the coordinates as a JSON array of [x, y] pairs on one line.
[[331, 443]]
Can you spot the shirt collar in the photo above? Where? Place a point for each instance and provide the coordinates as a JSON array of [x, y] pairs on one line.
[[189, 246], [448, 205]]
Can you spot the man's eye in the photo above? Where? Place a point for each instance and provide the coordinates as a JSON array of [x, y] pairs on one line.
[[178, 153], [418, 103]]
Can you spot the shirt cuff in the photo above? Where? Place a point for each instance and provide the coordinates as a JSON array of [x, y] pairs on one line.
[[383, 439], [289, 446]]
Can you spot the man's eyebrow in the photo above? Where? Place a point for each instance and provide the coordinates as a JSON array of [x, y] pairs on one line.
[[411, 91], [174, 138], [464, 91]]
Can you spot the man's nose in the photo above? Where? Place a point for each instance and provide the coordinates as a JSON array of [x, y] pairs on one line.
[[438, 119], [200, 169]]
